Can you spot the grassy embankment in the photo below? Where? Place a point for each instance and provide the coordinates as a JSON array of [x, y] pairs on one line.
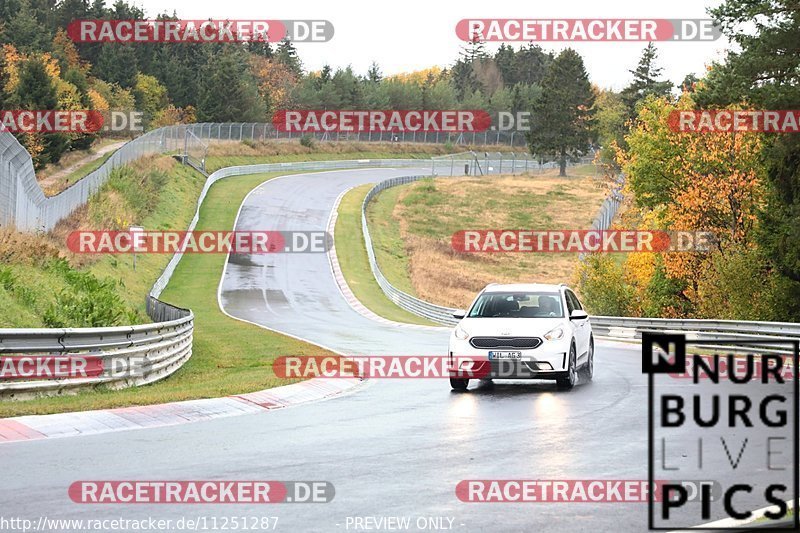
[[412, 226], [43, 285]]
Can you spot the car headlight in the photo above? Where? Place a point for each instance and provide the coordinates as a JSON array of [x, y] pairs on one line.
[[554, 334], [461, 333]]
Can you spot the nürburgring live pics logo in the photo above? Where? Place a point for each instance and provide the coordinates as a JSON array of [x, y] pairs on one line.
[[735, 421]]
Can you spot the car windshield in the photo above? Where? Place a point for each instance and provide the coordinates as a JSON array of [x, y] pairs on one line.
[[517, 305]]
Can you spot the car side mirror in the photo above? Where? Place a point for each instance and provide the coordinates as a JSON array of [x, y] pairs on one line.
[[578, 314], [459, 314]]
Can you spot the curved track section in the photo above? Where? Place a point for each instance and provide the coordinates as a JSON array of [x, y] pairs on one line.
[[396, 448]]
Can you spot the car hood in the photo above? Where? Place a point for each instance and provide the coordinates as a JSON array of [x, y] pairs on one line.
[[509, 327]]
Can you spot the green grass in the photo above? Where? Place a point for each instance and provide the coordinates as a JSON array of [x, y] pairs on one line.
[[352, 254], [85, 170], [584, 170], [429, 212], [216, 162], [173, 212], [386, 239], [37, 282], [229, 356]]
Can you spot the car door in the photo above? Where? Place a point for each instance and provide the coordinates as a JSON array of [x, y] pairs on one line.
[[582, 330], [574, 325]]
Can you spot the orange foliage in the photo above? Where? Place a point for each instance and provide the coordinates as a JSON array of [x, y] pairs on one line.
[[174, 115], [717, 184], [417, 76], [64, 44], [275, 81]]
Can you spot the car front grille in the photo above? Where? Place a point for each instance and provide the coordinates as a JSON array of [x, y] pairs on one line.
[[519, 343]]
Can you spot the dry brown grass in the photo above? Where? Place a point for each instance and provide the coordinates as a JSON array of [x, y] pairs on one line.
[[26, 248], [293, 147], [441, 275]]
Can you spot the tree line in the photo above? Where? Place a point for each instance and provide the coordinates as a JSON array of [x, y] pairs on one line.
[[41, 68]]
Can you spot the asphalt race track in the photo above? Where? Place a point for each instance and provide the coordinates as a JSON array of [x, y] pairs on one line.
[[391, 448]]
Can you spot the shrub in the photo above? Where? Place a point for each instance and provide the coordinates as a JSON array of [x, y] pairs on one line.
[[308, 141], [603, 287], [729, 289], [86, 301], [128, 195]]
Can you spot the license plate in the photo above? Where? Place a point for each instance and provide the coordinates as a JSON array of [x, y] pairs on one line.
[[505, 355]]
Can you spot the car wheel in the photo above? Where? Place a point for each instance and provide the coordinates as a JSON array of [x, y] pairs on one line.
[[587, 371], [459, 384], [571, 377]]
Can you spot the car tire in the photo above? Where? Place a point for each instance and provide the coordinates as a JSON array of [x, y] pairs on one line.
[[459, 384], [587, 370], [570, 377]]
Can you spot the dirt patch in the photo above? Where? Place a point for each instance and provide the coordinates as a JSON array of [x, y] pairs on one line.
[[55, 179]]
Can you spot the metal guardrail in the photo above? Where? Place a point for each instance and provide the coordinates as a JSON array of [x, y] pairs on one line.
[[438, 313], [433, 312], [758, 337], [131, 355]]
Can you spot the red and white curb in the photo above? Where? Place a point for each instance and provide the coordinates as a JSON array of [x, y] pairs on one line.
[[35, 427]]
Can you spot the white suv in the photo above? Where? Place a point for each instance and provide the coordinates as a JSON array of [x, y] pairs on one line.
[[522, 331]]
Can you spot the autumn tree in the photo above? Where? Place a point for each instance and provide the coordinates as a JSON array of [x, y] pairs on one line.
[[151, 97], [611, 114], [711, 182], [275, 82], [35, 90]]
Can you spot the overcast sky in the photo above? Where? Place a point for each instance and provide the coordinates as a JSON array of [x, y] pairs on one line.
[[409, 35]]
